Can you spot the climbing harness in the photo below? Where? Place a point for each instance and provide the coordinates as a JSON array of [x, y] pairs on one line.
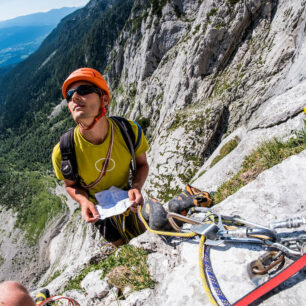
[[127, 225]]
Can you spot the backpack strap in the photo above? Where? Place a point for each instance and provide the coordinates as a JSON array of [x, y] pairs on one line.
[[129, 138], [139, 135], [69, 167]]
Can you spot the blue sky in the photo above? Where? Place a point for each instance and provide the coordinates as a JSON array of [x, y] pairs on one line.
[[13, 8]]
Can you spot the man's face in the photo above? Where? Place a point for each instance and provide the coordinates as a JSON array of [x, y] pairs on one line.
[[84, 107]]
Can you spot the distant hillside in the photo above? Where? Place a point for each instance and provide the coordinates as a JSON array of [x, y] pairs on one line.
[[84, 38], [21, 36]]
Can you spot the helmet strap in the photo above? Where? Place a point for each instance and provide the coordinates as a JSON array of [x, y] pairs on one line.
[[102, 113]]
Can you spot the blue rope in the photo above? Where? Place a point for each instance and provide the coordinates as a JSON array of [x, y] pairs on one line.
[[212, 278]]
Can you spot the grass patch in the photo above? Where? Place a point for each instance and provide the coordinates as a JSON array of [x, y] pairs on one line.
[[179, 120], [157, 6], [133, 90], [201, 173], [196, 29], [55, 275], [166, 192], [28, 193], [226, 149], [266, 156], [39, 207], [127, 268], [212, 12], [220, 25]]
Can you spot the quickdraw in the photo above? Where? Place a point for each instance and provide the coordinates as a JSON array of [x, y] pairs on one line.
[[266, 262]]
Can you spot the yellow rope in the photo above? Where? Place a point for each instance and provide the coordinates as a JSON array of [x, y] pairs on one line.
[[202, 274], [201, 247], [125, 214], [186, 235]]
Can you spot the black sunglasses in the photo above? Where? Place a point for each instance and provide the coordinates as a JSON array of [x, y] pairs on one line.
[[82, 90]]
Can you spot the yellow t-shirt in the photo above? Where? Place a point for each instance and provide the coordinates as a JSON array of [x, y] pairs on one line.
[[90, 159]]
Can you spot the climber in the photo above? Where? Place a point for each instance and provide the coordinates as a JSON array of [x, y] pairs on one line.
[[102, 156], [96, 155], [15, 294]]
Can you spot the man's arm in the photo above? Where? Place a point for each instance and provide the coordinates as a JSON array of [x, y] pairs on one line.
[[142, 170], [79, 194]]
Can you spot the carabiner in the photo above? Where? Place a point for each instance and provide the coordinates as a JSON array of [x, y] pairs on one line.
[[266, 262]]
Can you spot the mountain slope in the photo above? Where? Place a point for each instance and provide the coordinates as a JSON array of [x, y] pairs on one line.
[[207, 77], [28, 134], [84, 38], [21, 36], [51, 17], [197, 71]]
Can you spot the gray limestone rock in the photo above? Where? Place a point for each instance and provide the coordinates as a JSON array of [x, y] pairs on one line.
[[94, 286], [275, 195], [79, 296]]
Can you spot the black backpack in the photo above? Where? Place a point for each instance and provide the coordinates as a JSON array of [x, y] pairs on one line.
[[69, 166]]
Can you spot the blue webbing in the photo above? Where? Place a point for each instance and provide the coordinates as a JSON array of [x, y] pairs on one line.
[[212, 278]]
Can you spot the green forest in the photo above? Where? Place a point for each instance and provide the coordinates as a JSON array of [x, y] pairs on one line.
[[29, 94], [31, 91]]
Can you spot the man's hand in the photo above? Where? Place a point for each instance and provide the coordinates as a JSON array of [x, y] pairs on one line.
[[135, 196], [89, 212], [142, 169], [79, 194]]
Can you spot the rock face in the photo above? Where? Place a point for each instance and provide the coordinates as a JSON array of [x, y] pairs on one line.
[[265, 124], [16, 253], [174, 265], [200, 70], [275, 201], [202, 73]]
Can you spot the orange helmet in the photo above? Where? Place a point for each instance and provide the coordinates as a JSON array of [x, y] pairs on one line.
[[86, 74]]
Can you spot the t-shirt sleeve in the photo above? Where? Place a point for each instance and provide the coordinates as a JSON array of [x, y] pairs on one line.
[[56, 161], [143, 145]]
